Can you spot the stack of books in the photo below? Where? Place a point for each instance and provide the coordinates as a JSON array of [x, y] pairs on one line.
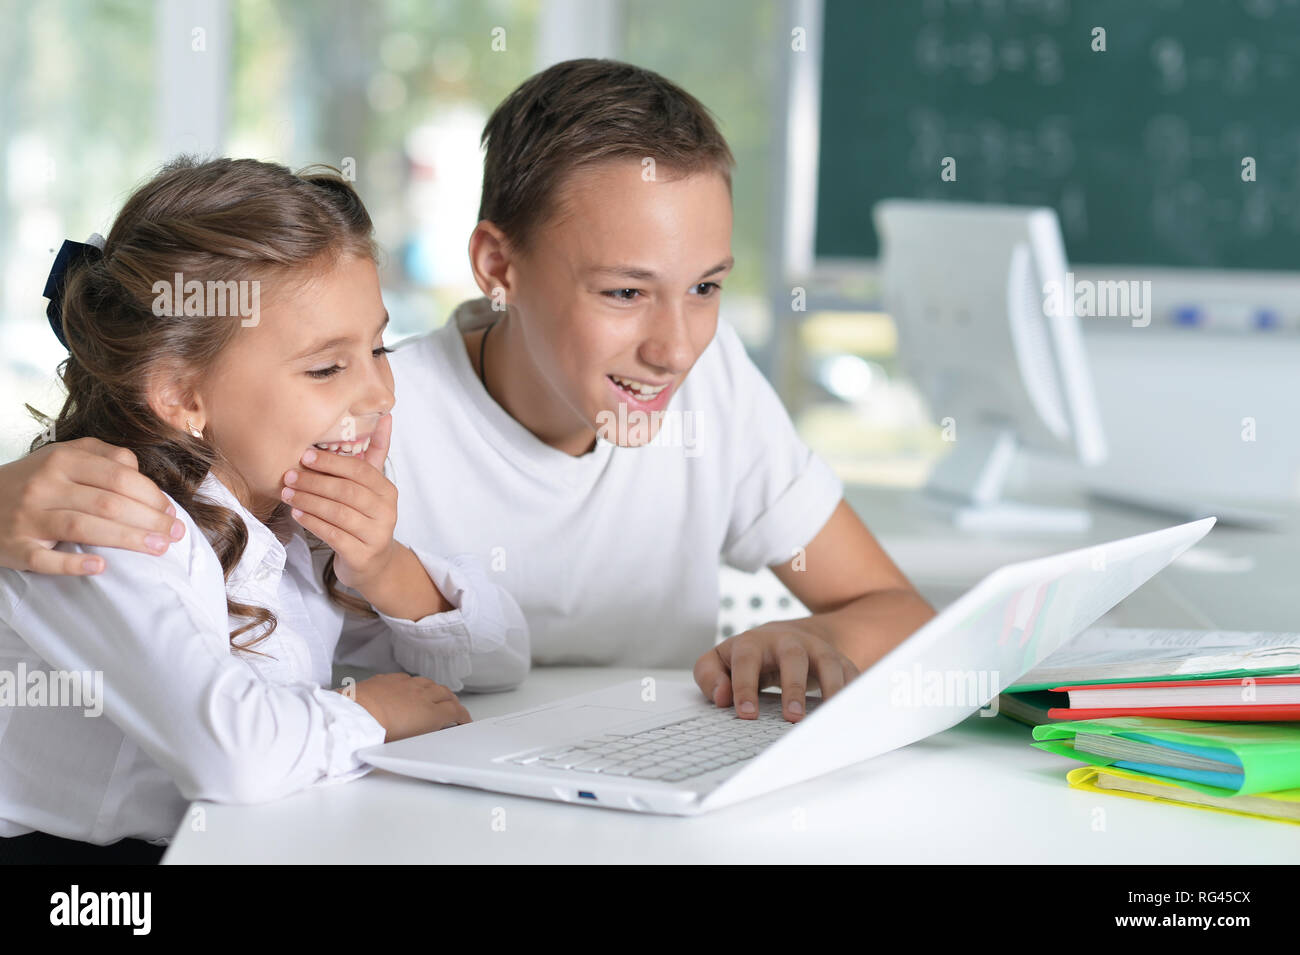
[[1209, 719]]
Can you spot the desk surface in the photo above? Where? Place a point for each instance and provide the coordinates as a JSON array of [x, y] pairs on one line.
[[978, 793]]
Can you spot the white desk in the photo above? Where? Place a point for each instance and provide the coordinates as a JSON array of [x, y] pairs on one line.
[[976, 793]]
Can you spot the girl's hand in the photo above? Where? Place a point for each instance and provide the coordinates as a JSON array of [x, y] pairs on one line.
[[349, 504], [406, 705], [781, 652]]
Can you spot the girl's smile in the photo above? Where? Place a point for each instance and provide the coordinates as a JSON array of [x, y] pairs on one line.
[[352, 437]]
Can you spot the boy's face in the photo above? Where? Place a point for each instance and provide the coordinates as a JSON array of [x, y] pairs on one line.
[[623, 283]]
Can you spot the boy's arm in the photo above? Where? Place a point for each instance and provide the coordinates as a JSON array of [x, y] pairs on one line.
[[84, 492], [862, 603], [862, 607]]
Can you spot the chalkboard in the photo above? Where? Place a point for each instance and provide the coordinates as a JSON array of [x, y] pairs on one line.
[[1141, 147]]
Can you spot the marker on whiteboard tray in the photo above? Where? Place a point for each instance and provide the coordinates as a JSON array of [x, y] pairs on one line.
[[1266, 318]]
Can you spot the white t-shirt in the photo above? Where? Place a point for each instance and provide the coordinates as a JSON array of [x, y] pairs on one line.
[[614, 555]]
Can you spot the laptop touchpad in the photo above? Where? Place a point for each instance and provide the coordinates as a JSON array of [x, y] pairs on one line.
[[570, 720]]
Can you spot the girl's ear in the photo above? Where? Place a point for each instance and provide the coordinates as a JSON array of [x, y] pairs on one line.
[[177, 402]]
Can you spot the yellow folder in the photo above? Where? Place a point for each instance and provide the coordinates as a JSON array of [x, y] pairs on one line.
[[1283, 806]]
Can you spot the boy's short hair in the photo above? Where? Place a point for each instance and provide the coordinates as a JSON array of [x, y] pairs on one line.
[[585, 111]]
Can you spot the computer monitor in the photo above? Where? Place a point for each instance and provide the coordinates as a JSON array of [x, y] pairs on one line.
[[978, 295]]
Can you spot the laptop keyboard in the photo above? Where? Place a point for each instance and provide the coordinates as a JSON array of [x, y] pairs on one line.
[[674, 751]]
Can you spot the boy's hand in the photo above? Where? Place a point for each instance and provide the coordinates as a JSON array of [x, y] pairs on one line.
[[349, 504], [85, 492], [736, 669]]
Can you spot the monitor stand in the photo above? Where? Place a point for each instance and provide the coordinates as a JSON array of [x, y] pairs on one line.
[[966, 486]]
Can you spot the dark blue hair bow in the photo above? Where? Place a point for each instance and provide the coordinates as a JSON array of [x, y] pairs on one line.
[[70, 253]]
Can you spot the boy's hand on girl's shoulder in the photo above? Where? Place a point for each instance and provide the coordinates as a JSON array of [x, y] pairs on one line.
[[84, 491]]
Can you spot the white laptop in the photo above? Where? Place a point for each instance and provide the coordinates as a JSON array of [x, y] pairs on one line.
[[661, 747]]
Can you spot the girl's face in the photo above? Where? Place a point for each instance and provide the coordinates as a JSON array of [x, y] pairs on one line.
[[310, 371], [619, 294]]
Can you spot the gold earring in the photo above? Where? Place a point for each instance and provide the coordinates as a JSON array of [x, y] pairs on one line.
[[193, 430]]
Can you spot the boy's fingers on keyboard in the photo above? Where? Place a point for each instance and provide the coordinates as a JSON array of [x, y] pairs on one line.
[[830, 674], [794, 678], [746, 667], [711, 677], [722, 691]]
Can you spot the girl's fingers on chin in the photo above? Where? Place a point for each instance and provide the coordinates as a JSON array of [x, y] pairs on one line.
[[323, 508], [340, 541], [342, 465], [338, 512], [321, 529]]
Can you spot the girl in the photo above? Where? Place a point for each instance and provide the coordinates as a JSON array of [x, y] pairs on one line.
[[229, 330]]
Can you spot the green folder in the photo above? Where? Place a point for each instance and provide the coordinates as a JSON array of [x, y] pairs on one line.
[[1269, 753], [1234, 674]]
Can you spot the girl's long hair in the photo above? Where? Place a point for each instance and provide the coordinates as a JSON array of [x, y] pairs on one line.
[[219, 220]]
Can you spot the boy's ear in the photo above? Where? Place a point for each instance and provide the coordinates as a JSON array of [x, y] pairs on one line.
[[490, 257]]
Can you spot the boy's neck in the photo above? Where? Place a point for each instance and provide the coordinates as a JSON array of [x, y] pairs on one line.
[[514, 384]]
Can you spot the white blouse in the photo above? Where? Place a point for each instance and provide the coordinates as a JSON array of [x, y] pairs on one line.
[[121, 699]]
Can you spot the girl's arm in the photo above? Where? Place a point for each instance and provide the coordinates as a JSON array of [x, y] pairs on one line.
[[446, 620], [480, 643], [405, 589], [156, 628]]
